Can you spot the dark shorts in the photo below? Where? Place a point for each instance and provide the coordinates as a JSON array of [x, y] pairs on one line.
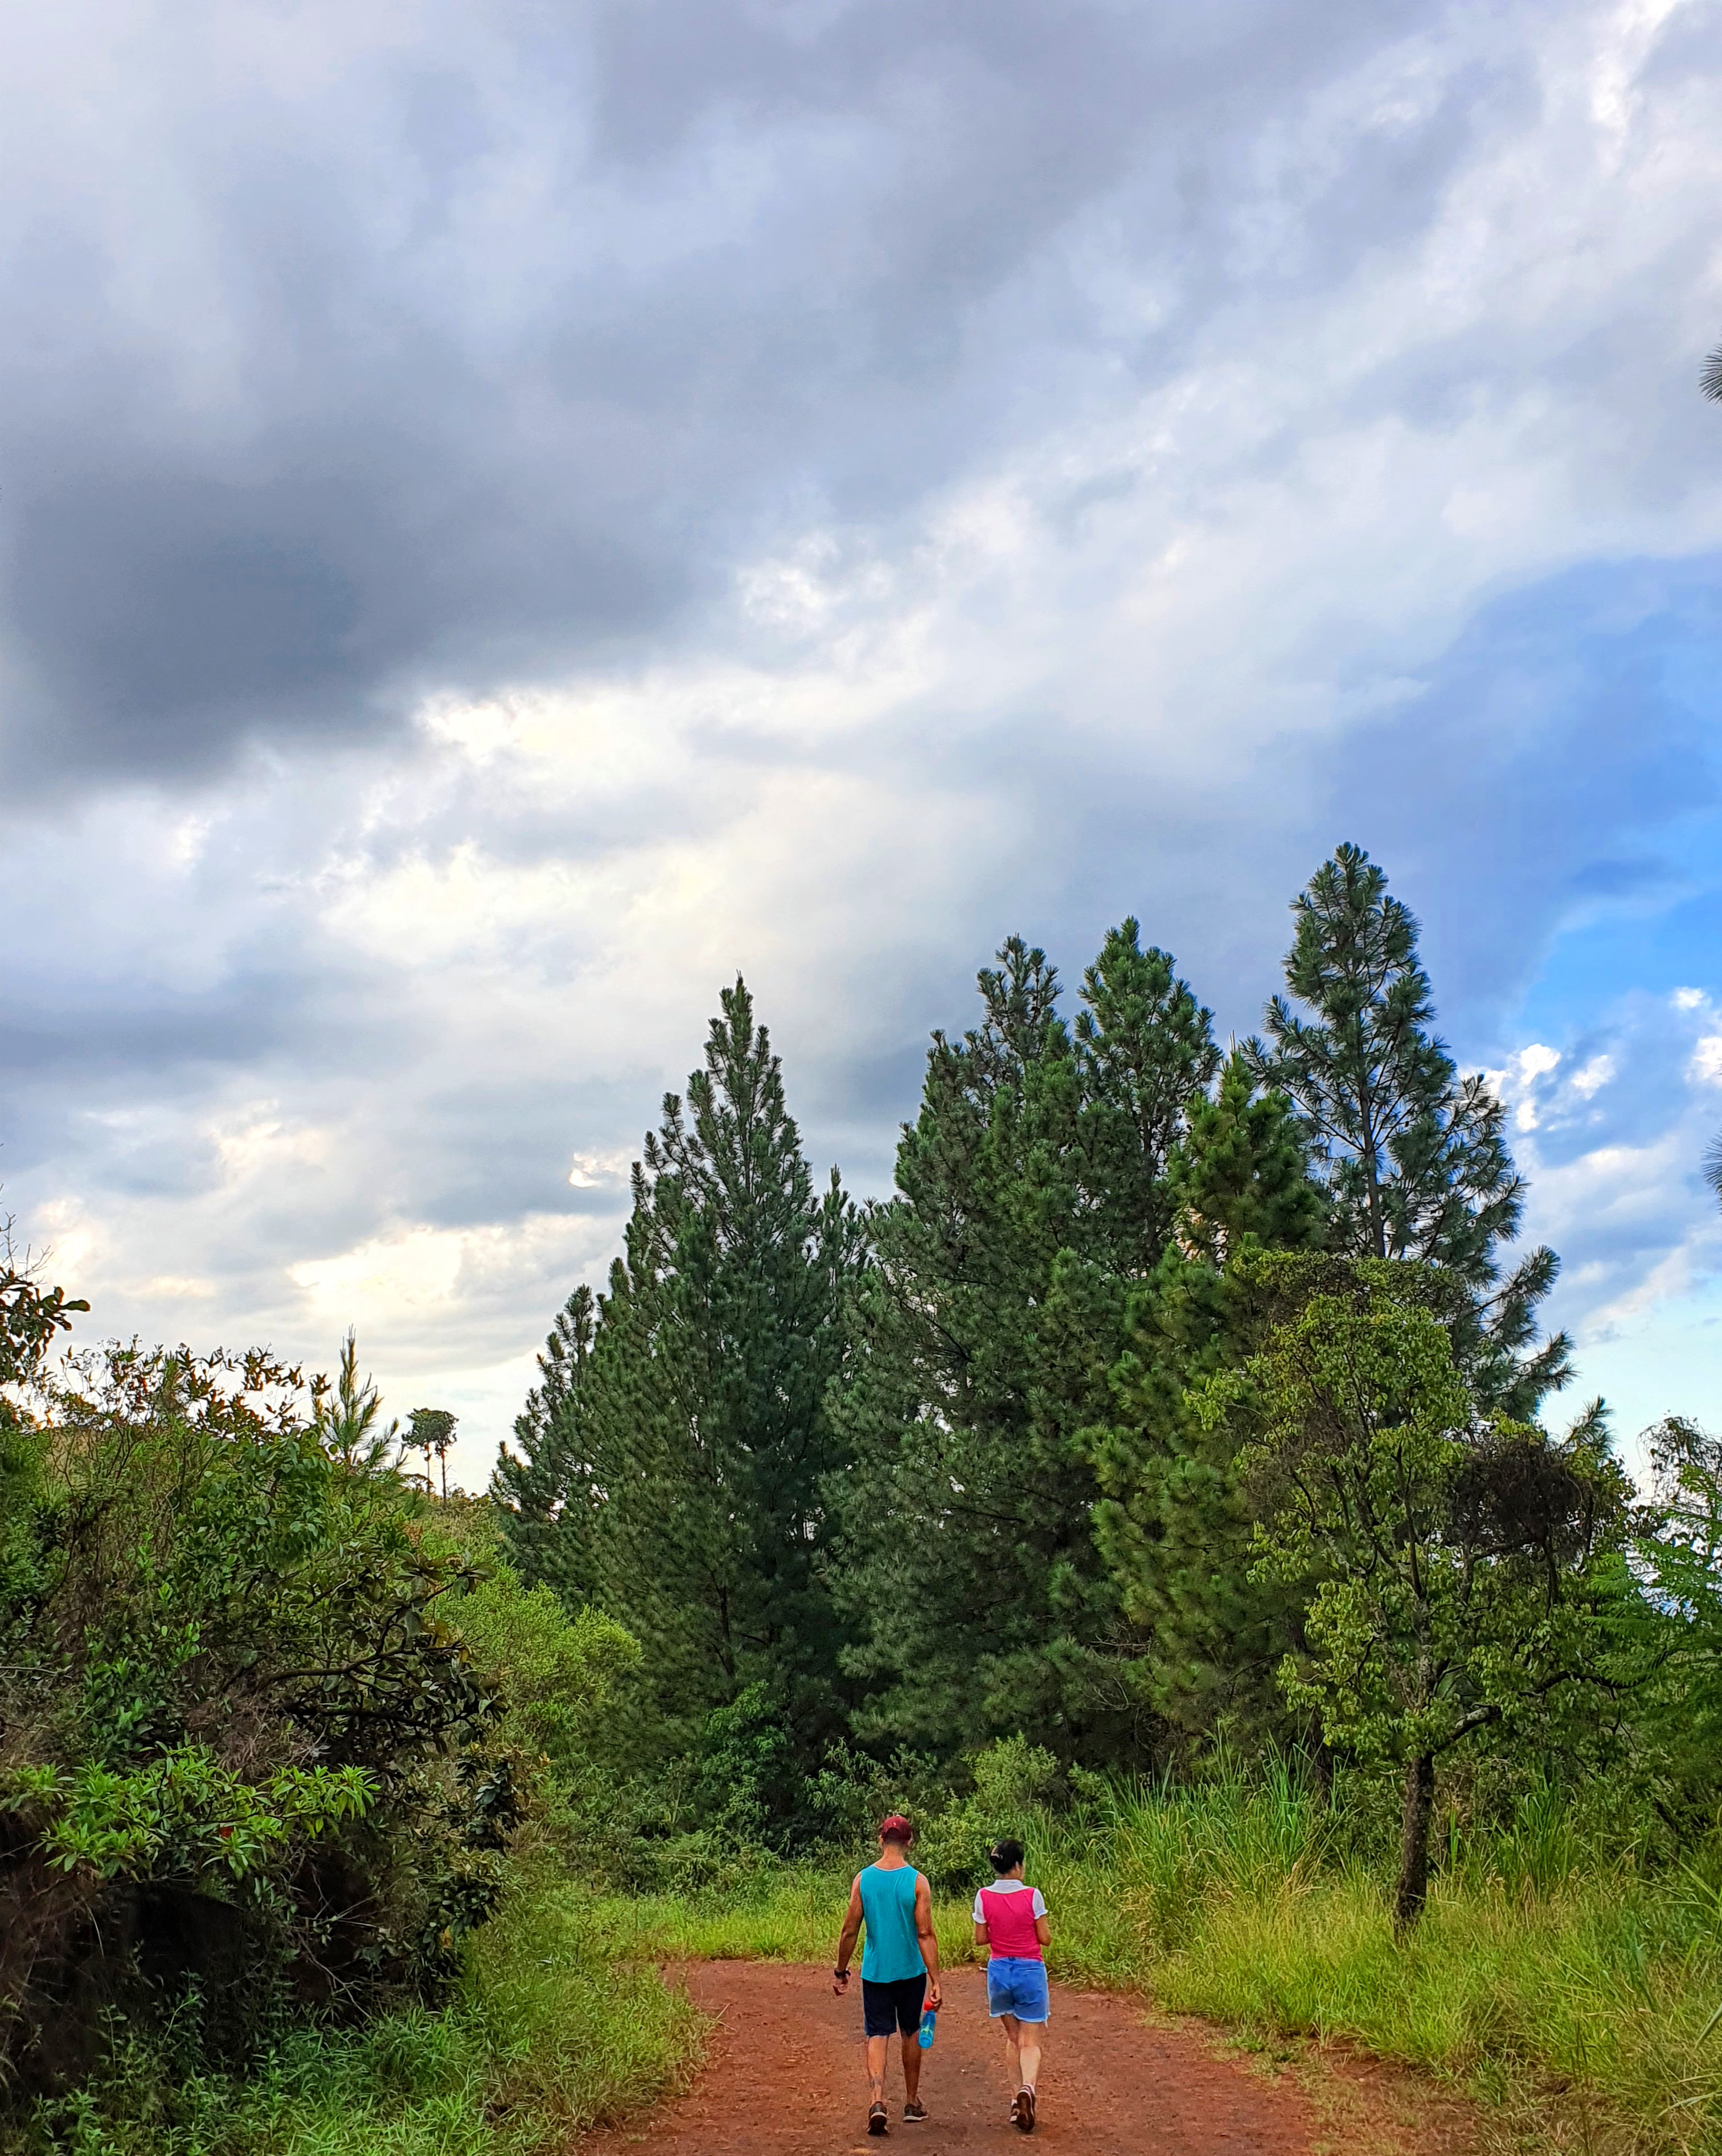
[[887, 2006]]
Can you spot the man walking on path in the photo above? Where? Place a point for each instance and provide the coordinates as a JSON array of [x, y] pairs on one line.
[[900, 1968]]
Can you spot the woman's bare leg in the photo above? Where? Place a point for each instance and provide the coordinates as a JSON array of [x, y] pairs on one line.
[[1028, 2036], [1009, 2023]]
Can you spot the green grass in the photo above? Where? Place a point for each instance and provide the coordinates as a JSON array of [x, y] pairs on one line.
[[1575, 1991], [1566, 1989], [546, 2037], [793, 1913]]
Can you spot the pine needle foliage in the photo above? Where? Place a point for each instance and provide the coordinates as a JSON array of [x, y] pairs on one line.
[[673, 1456], [1413, 1156], [1031, 1197], [1175, 1523], [544, 1487]]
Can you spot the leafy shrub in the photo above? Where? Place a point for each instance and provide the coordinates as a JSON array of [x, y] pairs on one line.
[[1013, 1780], [540, 2037], [244, 1750]]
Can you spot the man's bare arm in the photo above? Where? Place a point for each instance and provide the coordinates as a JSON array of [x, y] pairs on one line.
[[928, 1939], [846, 1939]]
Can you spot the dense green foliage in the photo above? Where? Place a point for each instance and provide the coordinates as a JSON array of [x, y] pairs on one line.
[[241, 1746], [542, 2034], [1158, 1469], [682, 1435], [1462, 1571], [1175, 1523], [1033, 1196]]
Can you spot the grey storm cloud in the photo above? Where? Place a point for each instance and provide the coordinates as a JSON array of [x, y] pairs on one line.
[[513, 514], [350, 353]]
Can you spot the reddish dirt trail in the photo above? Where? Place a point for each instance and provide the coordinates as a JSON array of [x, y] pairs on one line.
[[784, 2075]]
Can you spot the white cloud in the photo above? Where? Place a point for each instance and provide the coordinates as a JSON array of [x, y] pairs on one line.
[[1097, 664]]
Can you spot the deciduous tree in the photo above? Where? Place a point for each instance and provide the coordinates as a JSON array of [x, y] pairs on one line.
[[1449, 1554]]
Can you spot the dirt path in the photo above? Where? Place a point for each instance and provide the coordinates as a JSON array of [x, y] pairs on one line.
[[784, 2075]]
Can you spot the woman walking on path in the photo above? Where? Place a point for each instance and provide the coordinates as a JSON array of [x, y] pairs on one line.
[[1011, 1922], [900, 1968]]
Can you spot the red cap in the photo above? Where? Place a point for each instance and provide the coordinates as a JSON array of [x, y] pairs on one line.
[[895, 1828]]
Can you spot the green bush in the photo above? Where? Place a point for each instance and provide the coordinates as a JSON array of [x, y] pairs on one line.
[[541, 2038], [244, 1753], [1012, 1780]]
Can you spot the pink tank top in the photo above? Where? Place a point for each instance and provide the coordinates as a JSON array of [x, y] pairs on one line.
[[1009, 1919]]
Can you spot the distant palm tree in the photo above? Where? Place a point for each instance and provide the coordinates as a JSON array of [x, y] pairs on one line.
[[1710, 381], [1712, 1165], [432, 1428]]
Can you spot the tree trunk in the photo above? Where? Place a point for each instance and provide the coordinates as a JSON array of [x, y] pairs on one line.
[[1416, 1807]]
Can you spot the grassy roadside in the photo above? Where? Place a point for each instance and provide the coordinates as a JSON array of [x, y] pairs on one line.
[[1576, 1993], [545, 2036]]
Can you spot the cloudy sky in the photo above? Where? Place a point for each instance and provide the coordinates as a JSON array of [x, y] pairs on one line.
[[514, 513]]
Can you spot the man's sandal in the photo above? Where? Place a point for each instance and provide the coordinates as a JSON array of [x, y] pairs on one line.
[[879, 2120], [912, 2113]]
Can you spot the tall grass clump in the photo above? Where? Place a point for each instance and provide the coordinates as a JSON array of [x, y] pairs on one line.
[[1554, 1961]]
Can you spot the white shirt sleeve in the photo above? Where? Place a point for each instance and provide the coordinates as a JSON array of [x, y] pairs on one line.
[[980, 1913], [1040, 1904]]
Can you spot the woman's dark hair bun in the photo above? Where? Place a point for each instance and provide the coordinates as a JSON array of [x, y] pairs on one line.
[[1005, 1856]]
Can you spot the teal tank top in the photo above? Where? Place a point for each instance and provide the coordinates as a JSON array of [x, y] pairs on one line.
[[892, 1951]]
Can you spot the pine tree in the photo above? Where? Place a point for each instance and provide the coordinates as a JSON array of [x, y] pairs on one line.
[[1414, 1156], [545, 1490], [688, 1452], [1174, 1524], [1145, 1048], [1030, 1197], [348, 1419]]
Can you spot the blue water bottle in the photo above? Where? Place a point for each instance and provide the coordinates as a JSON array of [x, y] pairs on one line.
[[929, 2021]]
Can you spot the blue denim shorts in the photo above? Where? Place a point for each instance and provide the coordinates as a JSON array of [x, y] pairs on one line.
[[1018, 1987]]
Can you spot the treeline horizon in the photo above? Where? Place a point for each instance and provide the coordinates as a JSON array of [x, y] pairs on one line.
[[1176, 1401], [1171, 1469]]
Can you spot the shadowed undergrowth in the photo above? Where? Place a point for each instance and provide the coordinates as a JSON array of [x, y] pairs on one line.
[[543, 2038]]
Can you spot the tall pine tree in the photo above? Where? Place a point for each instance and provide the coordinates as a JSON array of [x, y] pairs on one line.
[[1414, 1156], [1029, 1198], [688, 1457], [545, 1490]]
